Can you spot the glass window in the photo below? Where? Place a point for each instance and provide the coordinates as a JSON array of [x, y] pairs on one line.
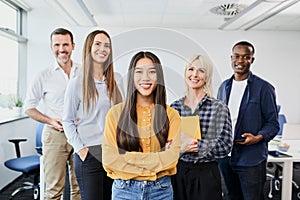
[[12, 42], [9, 68], [8, 17]]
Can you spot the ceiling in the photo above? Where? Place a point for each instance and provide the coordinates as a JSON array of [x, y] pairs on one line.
[[194, 14]]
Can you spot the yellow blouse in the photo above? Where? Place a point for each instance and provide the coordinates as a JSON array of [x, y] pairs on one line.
[[150, 164]]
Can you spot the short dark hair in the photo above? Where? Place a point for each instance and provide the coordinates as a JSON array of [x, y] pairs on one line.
[[244, 43], [62, 31]]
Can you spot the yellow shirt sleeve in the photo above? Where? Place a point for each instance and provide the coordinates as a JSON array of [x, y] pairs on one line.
[[158, 161], [111, 158], [138, 165]]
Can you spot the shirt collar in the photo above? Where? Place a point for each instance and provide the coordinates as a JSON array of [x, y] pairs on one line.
[[205, 98], [57, 67], [249, 77]]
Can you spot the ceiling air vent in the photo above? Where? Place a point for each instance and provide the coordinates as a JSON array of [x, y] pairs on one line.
[[228, 10]]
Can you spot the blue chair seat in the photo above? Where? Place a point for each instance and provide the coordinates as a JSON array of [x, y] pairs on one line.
[[28, 165], [25, 164]]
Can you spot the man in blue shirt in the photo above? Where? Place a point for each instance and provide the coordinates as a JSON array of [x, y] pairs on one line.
[[252, 104]]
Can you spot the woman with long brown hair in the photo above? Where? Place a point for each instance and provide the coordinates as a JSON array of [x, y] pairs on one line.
[[141, 142], [87, 101]]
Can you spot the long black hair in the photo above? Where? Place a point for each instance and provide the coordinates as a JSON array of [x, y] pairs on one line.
[[127, 132]]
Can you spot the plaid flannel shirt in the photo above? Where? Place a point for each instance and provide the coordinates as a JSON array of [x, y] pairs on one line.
[[215, 125]]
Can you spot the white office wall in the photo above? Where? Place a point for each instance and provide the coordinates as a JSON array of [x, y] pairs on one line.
[[276, 53]]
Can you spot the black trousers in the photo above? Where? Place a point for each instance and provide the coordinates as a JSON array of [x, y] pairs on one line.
[[197, 181], [91, 177]]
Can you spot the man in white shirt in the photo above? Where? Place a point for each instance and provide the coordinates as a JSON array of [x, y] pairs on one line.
[[50, 86]]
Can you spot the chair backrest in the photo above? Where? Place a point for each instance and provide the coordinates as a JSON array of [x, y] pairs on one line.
[[291, 131], [38, 137], [282, 121], [278, 108]]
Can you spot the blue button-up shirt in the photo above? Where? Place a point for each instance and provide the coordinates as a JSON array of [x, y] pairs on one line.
[[257, 115]]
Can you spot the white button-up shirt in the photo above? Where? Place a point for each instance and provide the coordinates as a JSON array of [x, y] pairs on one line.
[[49, 86]]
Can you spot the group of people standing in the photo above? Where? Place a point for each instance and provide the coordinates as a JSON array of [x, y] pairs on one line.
[[127, 146]]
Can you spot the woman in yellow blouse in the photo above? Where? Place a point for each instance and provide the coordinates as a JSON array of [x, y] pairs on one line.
[[141, 138]]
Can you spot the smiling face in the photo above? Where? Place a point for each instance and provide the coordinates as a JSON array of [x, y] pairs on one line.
[[241, 60], [62, 48], [101, 48], [195, 75], [145, 78]]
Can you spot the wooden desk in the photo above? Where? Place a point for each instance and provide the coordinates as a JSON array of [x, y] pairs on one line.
[[287, 173]]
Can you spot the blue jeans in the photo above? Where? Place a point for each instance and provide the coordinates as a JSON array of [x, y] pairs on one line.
[[243, 183], [161, 189]]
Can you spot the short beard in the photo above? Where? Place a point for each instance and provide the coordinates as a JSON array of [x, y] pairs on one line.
[[62, 61]]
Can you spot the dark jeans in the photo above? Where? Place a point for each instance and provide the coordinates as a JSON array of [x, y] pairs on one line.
[[92, 179], [197, 181], [243, 183]]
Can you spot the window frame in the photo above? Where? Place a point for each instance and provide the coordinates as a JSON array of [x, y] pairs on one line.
[[18, 35]]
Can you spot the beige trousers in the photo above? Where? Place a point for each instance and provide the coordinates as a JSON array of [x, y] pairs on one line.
[[58, 154]]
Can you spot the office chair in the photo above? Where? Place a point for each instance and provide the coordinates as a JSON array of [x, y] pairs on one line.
[[28, 165], [282, 121]]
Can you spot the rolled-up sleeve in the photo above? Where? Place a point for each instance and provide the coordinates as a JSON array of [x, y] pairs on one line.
[[34, 93]]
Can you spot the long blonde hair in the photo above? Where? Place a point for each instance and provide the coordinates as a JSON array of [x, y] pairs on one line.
[[89, 90], [208, 66]]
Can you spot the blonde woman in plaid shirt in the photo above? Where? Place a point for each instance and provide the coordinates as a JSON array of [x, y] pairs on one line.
[[198, 176]]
